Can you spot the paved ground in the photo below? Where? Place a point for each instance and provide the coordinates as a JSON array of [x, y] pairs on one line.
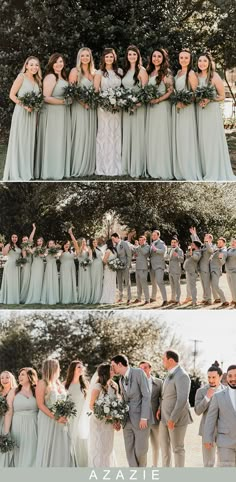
[[192, 446]]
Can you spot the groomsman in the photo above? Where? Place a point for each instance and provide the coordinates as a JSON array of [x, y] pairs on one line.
[[141, 252], [207, 249], [157, 260], [192, 259], [135, 391], [123, 275], [202, 402], [230, 266], [155, 387], [221, 420], [175, 410], [217, 260], [176, 258]]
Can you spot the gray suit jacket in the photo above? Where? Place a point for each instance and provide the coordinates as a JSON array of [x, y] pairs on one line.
[[157, 257], [124, 252], [201, 405], [216, 263], [138, 397], [206, 252], [175, 261], [175, 394], [157, 384], [230, 264], [142, 255], [191, 261], [222, 415]]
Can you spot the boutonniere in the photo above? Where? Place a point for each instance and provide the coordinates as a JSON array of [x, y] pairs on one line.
[[170, 376]]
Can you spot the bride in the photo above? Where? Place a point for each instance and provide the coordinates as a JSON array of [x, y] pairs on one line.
[[109, 280], [101, 434]]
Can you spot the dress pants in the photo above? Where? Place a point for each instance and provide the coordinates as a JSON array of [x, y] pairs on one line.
[[172, 439]]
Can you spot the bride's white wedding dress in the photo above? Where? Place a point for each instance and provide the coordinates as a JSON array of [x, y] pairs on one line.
[[109, 284]]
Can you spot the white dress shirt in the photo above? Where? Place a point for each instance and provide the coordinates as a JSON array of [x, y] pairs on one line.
[[232, 395]]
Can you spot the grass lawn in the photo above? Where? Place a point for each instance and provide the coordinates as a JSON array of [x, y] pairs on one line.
[[231, 139]]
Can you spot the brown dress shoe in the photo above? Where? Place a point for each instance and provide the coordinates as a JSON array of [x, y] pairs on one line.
[[146, 302], [164, 303], [216, 301], [136, 301], [152, 300], [226, 303]]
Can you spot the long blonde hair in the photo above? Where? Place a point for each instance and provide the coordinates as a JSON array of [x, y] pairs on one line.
[[49, 369], [80, 244], [38, 76], [12, 380], [79, 67]]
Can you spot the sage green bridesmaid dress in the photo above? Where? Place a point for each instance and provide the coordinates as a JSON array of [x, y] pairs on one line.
[[10, 290], [158, 136], [84, 281], [186, 156], [19, 164], [54, 138], [80, 446], [54, 444], [68, 290], [84, 131], [133, 140], [5, 459], [25, 278], [216, 165], [24, 430], [96, 277], [50, 289], [36, 281]]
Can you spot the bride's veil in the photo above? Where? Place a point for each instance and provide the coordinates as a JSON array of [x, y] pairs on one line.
[[83, 425]]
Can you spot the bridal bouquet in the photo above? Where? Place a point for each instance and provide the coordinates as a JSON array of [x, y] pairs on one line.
[[148, 93], [110, 100], [205, 92], [86, 262], [26, 245], [63, 408], [21, 261], [6, 444], [184, 96], [3, 406], [116, 264], [39, 250], [69, 93], [111, 410], [88, 95], [33, 100]]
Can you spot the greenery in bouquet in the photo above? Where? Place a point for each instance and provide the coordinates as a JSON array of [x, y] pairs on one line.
[[204, 92], [64, 408], [85, 263], [110, 100], [21, 261], [111, 410], [70, 93], [116, 264], [53, 251], [129, 100], [26, 245], [3, 406], [184, 96], [6, 444], [39, 251], [88, 96], [32, 100], [148, 93], [2, 239]]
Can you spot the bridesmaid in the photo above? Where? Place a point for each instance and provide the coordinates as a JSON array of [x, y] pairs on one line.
[[54, 445], [10, 290], [37, 273], [158, 123], [7, 382], [186, 156], [21, 146], [84, 119], [26, 268], [50, 289], [109, 279], [68, 292], [108, 145], [96, 272], [133, 142], [22, 417], [213, 147], [77, 387], [84, 277], [54, 134]]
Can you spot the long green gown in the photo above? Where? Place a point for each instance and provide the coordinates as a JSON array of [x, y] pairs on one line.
[[21, 145], [54, 138], [186, 156], [50, 289], [25, 278], [24, 430], [10, 290], [84, 130], [96, 277], [84, 281], [80, 445], [68, 290], [158, 136], [54, 443], [36, 281], [216, 165], [133, 141]]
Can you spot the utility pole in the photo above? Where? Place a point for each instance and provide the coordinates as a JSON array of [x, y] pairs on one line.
[[195, 353]]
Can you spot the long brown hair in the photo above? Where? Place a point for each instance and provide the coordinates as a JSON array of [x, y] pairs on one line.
[[49, 67], [32, 377], [138, 63], [103, 63], [164, 67], [211, 66], [104, 375], [38, 76], [70, 376], [190, 66]]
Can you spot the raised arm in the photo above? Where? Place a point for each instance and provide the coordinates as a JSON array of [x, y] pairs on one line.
[[31, 238], [74, 241]]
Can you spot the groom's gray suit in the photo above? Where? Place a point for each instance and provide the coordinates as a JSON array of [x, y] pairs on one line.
[[157, 261], [136, 393], [221, 418], [175, 407], [125, 255]]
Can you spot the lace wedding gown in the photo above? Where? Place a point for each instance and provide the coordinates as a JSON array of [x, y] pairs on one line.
[[109, 284]]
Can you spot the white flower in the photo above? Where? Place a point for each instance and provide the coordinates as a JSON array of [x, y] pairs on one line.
[[114, 404], [99, 402], [112, 101], [106, 409]]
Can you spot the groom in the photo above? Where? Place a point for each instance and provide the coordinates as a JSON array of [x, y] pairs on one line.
[[125, 255], [135, 391]]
